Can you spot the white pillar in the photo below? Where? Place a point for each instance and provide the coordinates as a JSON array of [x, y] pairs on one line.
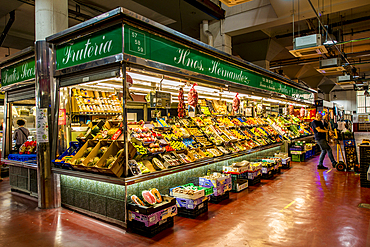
[[51, 16], [221, 40]]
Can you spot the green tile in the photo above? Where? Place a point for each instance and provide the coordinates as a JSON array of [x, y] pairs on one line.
[[106, 189], [98, 204], [67, 195], [24, 172], [115, 209], [120, 192], [74, 182], [81, 200], [13, 179], [33, 185], [22, 183], [89, 185]]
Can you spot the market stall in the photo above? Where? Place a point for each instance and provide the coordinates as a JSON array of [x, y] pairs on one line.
[[146, 107], [18, 84]]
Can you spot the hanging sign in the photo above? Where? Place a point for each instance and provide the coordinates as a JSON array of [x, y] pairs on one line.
[[149, 46], [42, 126], [18, 72], [89, 48]]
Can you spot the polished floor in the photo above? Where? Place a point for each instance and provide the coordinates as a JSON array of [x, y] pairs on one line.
[[300, 207]]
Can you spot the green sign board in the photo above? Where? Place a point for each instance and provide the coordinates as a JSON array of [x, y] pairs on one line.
[[149, 46], [18, 72], [99, 45]]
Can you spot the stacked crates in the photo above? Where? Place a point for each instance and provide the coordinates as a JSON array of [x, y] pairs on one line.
[[149, 221], [191, 206], [221, 187], [364, 165]]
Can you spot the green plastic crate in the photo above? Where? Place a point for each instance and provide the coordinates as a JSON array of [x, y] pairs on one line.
[[298, 157], [207, 191]]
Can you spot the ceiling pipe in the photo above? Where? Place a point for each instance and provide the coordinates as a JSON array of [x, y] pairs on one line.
[[207, 32]]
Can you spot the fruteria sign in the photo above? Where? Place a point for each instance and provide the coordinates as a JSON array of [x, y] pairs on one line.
[[18, 72], [149, 46], [89, 48]]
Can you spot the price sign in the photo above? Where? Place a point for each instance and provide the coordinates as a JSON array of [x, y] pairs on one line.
[[137, 42]]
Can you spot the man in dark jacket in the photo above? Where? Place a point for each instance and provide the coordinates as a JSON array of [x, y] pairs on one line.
[[321, 131]]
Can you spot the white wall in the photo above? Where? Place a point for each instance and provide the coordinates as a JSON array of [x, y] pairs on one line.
[[345, 98]]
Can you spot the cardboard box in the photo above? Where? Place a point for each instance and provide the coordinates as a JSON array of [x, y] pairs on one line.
[[80, 153], [117, 166]]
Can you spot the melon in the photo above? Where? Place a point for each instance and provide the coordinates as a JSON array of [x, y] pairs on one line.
[[148, 197]]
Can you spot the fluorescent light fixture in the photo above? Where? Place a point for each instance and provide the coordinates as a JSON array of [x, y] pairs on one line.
[[330, 42]]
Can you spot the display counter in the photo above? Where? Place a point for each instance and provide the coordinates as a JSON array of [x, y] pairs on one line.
[[22, 177], [106, 197]]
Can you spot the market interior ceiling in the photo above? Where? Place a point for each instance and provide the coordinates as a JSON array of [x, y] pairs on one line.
[[268, 40]]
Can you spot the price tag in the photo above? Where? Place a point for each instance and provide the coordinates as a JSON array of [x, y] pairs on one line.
[[264, 169], [137, 42]]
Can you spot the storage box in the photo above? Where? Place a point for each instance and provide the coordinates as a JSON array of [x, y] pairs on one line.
[[190, 203], [80, 153], [117, 166], [238, 184], [153, 218], [298, 157], [220, 198], [220, 185], [235, 169], [167, 202], [193, 213], [140, 228], [214, 182], [202, 191], [72, 150]]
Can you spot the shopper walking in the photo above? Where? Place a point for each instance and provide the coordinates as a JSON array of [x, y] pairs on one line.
[[20, 135], [321, 134]]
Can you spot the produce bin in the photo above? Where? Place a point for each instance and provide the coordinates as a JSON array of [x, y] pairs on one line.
[[220, 198], [140, 228], [194, 213]]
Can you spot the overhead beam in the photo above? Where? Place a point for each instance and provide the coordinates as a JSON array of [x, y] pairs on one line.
[[7, 27]]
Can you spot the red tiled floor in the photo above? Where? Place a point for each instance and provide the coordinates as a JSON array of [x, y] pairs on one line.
[[324, 212]]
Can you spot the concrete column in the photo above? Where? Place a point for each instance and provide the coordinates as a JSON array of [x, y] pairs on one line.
[[221, 40], [51, 16]]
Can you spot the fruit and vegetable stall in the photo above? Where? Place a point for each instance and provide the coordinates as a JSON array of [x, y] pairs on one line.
[[150, 136]]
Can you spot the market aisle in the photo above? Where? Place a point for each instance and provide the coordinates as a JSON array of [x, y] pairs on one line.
[[320, 210]]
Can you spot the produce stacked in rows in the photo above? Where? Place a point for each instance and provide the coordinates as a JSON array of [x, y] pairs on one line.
[[29, 147]]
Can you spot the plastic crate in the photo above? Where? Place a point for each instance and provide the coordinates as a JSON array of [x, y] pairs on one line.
[[167, 202], [239, 183], [140, 228], [298, 157], [286, 165], [153, 218], [254, 181], [220, 198], [296, 148], [193, 213], [202, 191], [72, 150], [190, 203], [22, 157], [349, 143], [348, 136]]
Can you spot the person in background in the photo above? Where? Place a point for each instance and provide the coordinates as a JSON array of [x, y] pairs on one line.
[[20, 135], [321, 131]]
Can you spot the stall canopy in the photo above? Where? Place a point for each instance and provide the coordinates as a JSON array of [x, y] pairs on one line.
[[123, 36]]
